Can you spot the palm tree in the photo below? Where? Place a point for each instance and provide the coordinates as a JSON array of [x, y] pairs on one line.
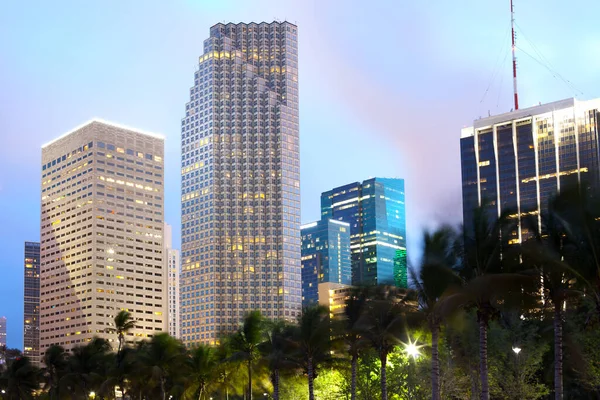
[[87, 367], [274, 350], [244, 343], [384, 323], [123, 324], [160, 358], [20, 380], [311, 339], [202, 363], [55, 360], [550, 252], [486, 281], [434, 277], [350, 333]]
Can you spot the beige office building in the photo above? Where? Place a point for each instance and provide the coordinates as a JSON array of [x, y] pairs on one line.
[[101, 234], [173, 266]]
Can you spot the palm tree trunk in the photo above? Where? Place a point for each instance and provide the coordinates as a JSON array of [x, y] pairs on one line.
[[249, 380], [383, 358], [483, 369], [558, 339], [162, 388], [353, 383], [435, 362], [311, 386], [276, 384]]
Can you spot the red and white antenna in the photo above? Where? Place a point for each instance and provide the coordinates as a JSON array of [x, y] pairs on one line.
[[514, 57]]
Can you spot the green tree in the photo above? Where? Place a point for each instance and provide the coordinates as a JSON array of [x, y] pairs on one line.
[[245, 342], [432, 280], [161, 360], [202, 364], [487, 282], [312, 344], [20, 380], [384, 323], [349, 330], [123, 324], [55, 361], [87, 367], [275, 351]]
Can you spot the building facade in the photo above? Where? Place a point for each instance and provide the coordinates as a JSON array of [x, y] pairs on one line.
[[518, 160], [333, 296], [375, 210], [325, 257], [31, 302], [173, 267], [240, 195], [101, 245], [2, 331]]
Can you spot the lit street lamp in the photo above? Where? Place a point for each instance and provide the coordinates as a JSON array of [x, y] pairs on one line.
[[517, 350]]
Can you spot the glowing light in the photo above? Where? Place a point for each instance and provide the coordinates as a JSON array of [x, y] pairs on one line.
[[412, 349], [517, 350]]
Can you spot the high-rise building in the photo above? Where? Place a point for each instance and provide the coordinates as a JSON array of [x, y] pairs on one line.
[[333, 296], [101, 235], [325, 257], [173, 270], [376, 214], [31, 302], [518, 160], [2, 331], [240, 195]]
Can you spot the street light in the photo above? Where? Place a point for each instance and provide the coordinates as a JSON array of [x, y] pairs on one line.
[[412, 349], [92, 395], [517, 350]]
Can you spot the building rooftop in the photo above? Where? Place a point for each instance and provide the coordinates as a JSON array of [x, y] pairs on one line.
[[526, 112], [104, 122]]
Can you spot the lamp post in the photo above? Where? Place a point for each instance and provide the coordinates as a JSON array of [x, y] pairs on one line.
[[517, 350]]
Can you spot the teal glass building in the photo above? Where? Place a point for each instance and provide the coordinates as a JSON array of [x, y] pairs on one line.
[[375, 210], [325, 257]]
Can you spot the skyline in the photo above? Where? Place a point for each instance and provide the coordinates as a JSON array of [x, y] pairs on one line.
[[67, 85]]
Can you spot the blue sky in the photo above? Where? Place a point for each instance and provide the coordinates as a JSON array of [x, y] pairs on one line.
[[385, 87]]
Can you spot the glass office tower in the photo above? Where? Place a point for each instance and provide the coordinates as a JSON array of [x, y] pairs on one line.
[[31, 302], [325, 257], [240, 176], [375, 211], [518, 160]]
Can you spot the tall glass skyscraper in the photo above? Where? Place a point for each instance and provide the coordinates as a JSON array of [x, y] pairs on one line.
[[325, 257], [376, 214], [240, 177], [518, 160], [31, 302]]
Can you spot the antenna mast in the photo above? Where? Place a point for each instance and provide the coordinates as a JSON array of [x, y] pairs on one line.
[[514, 57]]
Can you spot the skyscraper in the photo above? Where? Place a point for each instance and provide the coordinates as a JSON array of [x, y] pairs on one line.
[[240, 195], [2, 331], [173, 267], [325, 257], [101, 235], [518, 160], [31, 302], [376, 214]]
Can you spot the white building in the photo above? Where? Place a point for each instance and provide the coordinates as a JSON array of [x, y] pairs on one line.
[[101, 245], [174, 269]]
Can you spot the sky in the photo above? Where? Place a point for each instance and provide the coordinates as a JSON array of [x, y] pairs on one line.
[[385, 88]]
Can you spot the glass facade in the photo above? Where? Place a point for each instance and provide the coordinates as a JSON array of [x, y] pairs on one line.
[[325, 257], [517, 161], [240, 181], [375, 210], [31, 302]]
